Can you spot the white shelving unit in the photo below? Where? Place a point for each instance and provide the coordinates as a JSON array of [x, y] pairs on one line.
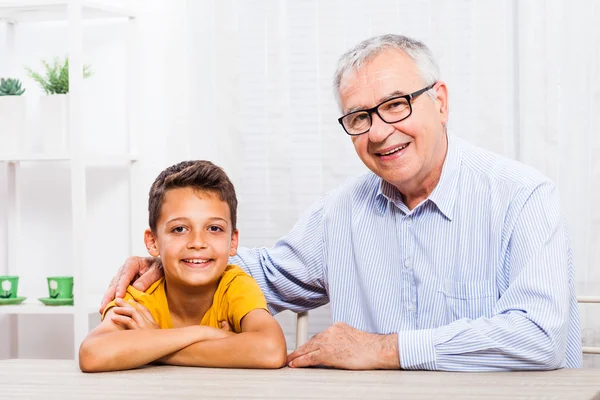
[[72, 12]]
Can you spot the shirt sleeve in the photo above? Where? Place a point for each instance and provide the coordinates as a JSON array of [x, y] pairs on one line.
[[243, 295], [529, 327], [290, 274]]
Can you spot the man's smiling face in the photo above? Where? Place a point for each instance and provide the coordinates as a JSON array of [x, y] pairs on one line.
[[407, 152]]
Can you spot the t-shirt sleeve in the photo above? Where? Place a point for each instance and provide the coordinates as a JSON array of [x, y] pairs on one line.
[[242, 296], [128, 296]]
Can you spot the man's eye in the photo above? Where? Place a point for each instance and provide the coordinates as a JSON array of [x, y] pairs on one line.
[[393, 105], [358, 119]]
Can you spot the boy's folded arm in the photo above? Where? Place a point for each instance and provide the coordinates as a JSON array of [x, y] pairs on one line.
[[110, 347], [261, 344]]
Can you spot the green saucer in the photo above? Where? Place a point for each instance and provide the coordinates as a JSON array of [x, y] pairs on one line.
[[13, 301], [56, 302]]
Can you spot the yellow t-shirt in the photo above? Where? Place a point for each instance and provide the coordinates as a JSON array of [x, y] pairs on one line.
[[236, 295]]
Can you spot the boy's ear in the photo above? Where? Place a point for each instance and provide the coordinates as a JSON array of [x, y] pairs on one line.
[[234, 243], [150, 242]]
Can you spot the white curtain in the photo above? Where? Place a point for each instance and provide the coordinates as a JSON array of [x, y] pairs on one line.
[[523, 76]]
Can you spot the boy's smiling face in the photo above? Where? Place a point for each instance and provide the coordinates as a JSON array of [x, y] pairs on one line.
[[193, 237]]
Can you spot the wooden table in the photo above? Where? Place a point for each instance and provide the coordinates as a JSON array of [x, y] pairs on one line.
[[52, 379]]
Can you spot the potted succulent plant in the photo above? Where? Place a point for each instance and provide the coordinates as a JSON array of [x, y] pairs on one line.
[[10, 87], [12, 115], [53, 108]]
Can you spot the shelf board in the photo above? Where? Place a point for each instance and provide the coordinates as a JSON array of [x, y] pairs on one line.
[[33, 307], [91, 159], [56, 10]]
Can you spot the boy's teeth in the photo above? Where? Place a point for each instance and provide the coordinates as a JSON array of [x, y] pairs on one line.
[[395, 150], [196, 261]]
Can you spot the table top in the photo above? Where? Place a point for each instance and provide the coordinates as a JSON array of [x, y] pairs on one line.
[[49, 379]]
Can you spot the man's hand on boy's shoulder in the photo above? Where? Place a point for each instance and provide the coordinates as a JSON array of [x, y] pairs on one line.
[[133, 315], [142, 271]]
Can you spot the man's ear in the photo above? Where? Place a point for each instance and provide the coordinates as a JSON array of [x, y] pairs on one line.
[[441, 94], [234, 243], [150, 242]]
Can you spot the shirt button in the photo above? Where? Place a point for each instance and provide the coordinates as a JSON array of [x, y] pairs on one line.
[[411, 307], [409, 221], [408, 264]]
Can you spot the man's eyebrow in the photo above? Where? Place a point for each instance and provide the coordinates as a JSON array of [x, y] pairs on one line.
[[396, 93]]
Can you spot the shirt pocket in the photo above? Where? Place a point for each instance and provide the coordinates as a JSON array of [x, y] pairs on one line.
[[468, 299]]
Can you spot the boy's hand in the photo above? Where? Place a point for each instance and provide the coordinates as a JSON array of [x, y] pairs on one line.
[[225, 326], [132, 315]]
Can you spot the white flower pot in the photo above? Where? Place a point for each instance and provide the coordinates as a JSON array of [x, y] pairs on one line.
[[53, 123], [12, 124]]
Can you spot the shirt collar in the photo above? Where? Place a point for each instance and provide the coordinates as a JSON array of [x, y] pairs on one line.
[[445, 192], [387, 193]]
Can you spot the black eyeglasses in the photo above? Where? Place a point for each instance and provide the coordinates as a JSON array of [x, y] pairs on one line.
[[390, 111]]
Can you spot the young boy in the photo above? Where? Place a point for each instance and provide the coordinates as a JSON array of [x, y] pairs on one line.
[[204, 312]]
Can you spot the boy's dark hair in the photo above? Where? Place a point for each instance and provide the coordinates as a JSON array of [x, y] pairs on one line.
[[201, 175]]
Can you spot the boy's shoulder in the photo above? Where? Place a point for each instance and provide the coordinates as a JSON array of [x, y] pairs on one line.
[[234, 274], [237, 295], [237, 284]]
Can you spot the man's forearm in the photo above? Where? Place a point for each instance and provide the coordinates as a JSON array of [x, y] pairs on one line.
[[133, 348], [243, 350], [503, 343]]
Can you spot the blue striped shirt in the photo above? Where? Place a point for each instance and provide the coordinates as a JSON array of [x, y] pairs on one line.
[[479, 276]]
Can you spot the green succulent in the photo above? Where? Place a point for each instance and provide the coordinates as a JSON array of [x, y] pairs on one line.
[[10, 87], [56, 78]]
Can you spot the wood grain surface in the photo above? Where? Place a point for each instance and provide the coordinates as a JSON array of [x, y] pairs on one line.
[[62, 379]]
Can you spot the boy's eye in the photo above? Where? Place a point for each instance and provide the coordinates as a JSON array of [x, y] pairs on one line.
[[215, 228], [178, 229]]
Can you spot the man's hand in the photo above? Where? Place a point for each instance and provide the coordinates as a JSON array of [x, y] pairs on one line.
[[132, 315], [341, 346], [145, 271]]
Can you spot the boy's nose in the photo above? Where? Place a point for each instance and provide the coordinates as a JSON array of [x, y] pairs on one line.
[[197, 241]]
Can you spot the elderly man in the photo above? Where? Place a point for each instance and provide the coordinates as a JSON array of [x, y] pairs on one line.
[[443, 257]]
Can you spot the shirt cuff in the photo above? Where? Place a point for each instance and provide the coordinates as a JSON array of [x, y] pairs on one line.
[[417, 349]]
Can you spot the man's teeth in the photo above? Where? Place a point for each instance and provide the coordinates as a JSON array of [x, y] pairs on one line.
[[396, 149], [194, 261]]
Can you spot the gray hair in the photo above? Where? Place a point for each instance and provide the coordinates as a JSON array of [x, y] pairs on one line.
[[369, 48]]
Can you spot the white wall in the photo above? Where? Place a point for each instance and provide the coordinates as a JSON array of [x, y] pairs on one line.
[[247, 84]]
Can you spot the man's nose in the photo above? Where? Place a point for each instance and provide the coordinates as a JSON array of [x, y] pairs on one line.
[[380, 129]]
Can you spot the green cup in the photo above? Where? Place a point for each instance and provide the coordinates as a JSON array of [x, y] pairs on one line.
[[60, 287], [8, 286]]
